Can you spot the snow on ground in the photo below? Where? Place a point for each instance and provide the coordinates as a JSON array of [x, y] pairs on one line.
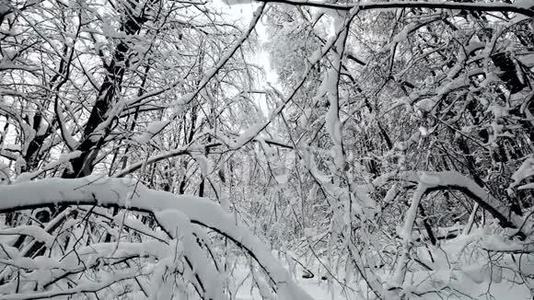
[[315, 287]]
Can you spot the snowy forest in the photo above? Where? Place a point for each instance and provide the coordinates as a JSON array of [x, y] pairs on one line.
[[266, 149]]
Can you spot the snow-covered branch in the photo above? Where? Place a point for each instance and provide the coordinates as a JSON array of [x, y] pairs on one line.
[[127, 193], [433, 181]]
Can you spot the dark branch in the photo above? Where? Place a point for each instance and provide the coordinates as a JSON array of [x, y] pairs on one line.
[[482, 7]]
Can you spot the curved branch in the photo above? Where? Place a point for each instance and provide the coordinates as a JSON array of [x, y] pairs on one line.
[[435, 181], [128, 193]]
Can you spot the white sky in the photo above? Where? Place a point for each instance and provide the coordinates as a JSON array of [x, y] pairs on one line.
[[242, 12]]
